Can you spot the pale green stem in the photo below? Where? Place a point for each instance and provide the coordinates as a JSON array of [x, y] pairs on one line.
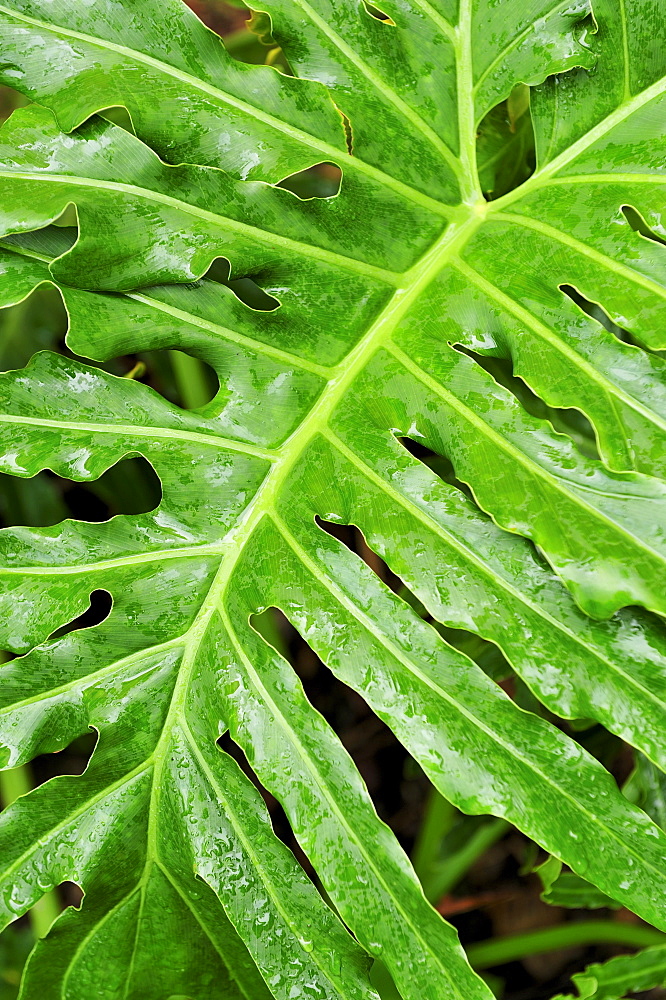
[[191, 380], [438, 819], [459, 863], [570, 935]]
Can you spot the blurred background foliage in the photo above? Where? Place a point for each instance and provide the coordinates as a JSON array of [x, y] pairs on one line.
[[527, 924]]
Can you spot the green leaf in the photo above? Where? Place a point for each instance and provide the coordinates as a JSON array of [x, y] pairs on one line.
[[620, 976], [377, 287], [566, 889], [647, 787]]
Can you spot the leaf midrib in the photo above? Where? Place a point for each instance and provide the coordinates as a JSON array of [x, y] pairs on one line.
[[421, 276]]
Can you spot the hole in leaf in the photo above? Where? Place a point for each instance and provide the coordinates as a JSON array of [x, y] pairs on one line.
[[349, 135], [221, 17], [443, 467], [56, 760], [119, 116], [130, 487], [70, 894], [322, 180], [69, 221], [505, 144], [279, 820], [247, 35], [51, 240], [564, 420], [483, 652], [598, 313], [38, 323], [439, 464], [378, 14], [639, 225], [245, 288], [253, 295], [10, 99], [98, 611], [181, 378]]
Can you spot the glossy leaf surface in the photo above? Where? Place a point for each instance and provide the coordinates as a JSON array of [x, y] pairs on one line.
[[621, 976], [389, 296]]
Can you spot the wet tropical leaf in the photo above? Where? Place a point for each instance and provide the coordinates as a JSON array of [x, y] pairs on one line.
[[621, 976], [349, 342]]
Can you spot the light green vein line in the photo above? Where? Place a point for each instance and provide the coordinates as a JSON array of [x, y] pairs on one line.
[[557, 344], [520, 457], [262, 871], [581, 145], [635, 277], [328, 151], [431, 524], [91, 934], [210, 934], [212, 440], [324, 786], [384, 90], [227, 334], [222, 222], [471, 186], [619, 178], [317, 570], [88, 680], [438, 19], [157, 555], [105, 792]]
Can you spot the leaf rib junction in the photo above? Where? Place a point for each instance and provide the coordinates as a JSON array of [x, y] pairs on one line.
[[532, 481], [598, 131]]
